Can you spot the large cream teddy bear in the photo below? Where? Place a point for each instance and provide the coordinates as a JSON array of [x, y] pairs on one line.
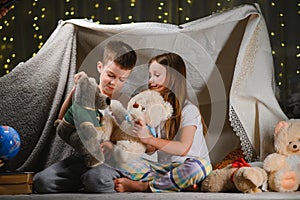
[[148, 106], [237, 176], [81, 127], [283, 166]]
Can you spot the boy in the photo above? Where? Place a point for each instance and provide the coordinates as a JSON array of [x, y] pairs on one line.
[[70, 174]]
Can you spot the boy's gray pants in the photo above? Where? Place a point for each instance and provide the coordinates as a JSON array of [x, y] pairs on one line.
[[71, 175]]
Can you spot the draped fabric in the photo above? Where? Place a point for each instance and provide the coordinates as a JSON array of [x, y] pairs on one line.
[[229, 73]]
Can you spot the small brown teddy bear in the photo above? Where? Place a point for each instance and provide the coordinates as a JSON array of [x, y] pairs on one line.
[[284, 165], [81, 126], [149, 106], [238, 176]]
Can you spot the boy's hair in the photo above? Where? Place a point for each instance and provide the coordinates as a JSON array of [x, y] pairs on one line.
[[121, 53]]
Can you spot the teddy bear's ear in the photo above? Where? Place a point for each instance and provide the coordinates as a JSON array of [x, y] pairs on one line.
[[168, 109], [156, 115], [82, 86], [159, 113], [280, 125]]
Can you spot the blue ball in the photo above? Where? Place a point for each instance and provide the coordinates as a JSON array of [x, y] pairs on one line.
[[10, 142]]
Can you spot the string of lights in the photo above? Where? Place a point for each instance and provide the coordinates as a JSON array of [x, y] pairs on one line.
[[24, 30]]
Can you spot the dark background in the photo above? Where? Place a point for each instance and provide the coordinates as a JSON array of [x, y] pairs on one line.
[[24, 30]]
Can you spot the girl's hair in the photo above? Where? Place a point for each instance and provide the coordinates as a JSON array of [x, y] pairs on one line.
[[175, 90]]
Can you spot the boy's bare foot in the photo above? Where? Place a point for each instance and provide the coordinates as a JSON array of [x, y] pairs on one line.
[[127, 185]]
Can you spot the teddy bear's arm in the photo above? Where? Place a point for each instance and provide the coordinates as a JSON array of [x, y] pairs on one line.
[[118, 111], [274, 162]]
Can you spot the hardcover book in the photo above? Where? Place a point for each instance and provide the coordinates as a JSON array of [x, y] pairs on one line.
[[16, 182]]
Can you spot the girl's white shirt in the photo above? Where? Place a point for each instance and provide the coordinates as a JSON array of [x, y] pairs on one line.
[[190, 117]]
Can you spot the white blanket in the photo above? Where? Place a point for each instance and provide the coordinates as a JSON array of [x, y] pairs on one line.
[[230, 76]]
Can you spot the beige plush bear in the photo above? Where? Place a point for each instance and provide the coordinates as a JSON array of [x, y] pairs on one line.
[[80, 126], [148, 106], [284, 165], [238, 176]]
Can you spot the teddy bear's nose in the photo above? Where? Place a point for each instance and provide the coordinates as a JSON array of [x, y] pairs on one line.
[[294, 146], [107, 101], [135, 105]]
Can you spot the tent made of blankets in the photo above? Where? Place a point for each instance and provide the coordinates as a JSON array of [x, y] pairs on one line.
[[230, 76]]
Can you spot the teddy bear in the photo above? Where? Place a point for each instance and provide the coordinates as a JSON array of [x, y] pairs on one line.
[[148, 106], [283, 166], [237, 176], [80, 126]]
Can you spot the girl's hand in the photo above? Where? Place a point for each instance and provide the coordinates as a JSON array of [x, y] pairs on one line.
[[150, 149], [140, 130], [107, 148]]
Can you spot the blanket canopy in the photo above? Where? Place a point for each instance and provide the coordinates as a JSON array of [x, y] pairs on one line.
[[230, 77]]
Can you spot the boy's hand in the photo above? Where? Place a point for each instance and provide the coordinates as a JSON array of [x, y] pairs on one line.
[[78, 76]]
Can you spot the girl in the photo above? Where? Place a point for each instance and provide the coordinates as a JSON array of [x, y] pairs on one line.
[[182, 154]]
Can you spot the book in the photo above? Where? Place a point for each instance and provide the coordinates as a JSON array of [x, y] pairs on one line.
[[9, 189], [16, 182], [16, 178]]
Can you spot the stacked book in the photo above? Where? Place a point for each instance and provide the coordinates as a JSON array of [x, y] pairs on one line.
[[16, 182]]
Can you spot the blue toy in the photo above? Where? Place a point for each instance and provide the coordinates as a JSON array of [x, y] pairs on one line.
[[10, 142]]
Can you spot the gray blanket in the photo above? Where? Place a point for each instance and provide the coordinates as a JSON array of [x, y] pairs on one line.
[[228, 57], [31, 96]]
